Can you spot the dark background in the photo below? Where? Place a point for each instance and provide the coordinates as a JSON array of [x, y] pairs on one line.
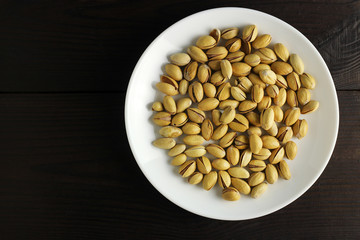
[[66, 169]]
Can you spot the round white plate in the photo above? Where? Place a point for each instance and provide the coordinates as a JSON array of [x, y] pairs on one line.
[[314, 151]]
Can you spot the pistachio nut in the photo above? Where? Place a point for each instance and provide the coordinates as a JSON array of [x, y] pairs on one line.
[[174, 71], [227, 139], [244, 84], [187, 168], [214, 65], [182, 104], [252, 60], [307, 81], [215, 150], [271, 173], [265, 103], [238, 172], [220, 131], [183, 86], [235, 56], [216, 34], [245, 157], [280, 81], [191, 128], [180, 59], [266, 55], [297, 63], [245, 46], [278, 113], [229, 103], [290, 150], [233, 155], [226, 68], [255, 143], [162, 118], [303, 96], [241, 142], [177, 149], [229, 33], [207, 129], [247, 106], [208, 104], [291, 98], [196, 115], [193, 140], [284, 170], [209, 90], [197, 54], [256, 178], [237, 93], [224, 179], [168, 86], [190, 70], [280, 99], [254, 130], [228, 115], [217, 78], [259, 67], [216, 53], [157, 106], [259, 190], [273, 130], [164, 143], [241, 69], [284, 134], [206, 42], [195, 178], [249, 33], [257, 93], [263, 154], [179, 159], [215, 116], [270, 142], [277, 155], [203, 164], [240, 123], [272, 90], [230, 194], [204, 73], [261, 41], [196, 92], [267, 118], [268, 76], [169, 104], [281, 51], [220, 164], [293, 81], [233, 45], [300, 128], [195, 151], [281, 68], [242, 186], [311, 106], [291, 116], [254, 118], [179, 119], [256, 165], [170, 131], [223, 91], [209, 180]]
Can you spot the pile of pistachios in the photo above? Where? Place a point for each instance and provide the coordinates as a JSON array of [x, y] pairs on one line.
[[231, 106]]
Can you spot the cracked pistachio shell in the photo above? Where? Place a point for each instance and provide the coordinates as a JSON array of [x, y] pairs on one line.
[[223, 91], [195, 151], [259, 190], [249, 33], [297, 63], [303, 96], [300, 128], [291, 116], [307, 81], [169, 104], [207, 129], [226, 69], [209, 90], [241, 69], [208, 104], [168, 86], [284, 169], [162, 118], [256, 165], [254, 118], [266, 55], [206, 42], [280, 81], [195, 178], [197, 54], [157, 106], [240, 123], [230, 194], [220, 164], [183, 86], [179, 119], [217, 78], [247, 106], [209, 180], [242, 186], [228, 115], [271, 173], [215, 150], [177, 149], [267, 118], [244, 84], [179, 160], [193, 140], [278, 113], [174, 71], [229, 33], [257, 93], [216, 53], [170, 131], [227, 139], [252, 59], [238, 172], [256, 178], [241, 142], [270, 142], [268, 76], [281, 68], [233, 155], [187, 168], [280, 99], [255, 143], [180, 59], [291, 98], [220, 131], [281, 51], [164, 143], [284, 134], [190, 70], [214, 65], [277, 155], [235, 56], [203, 164], [204, 73], [215, 116], [233, 45], [216, 34], [272, 90], [191, 128], [264, 103], [290, 150], [182, 104], [245, 46], [293, 81], [310, 107], [261, 41], [224, 179], [196, 91], [263, 154], [196, 115], [237, 93]]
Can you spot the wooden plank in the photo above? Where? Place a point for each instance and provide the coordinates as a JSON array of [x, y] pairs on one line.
[[67, 172]]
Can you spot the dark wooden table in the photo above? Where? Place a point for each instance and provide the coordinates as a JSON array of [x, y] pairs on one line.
[[67, 171]]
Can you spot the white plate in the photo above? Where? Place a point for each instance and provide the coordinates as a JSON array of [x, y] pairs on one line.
[[314, 151]]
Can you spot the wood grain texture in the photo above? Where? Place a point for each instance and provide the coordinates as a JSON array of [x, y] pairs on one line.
[[68, 173]]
